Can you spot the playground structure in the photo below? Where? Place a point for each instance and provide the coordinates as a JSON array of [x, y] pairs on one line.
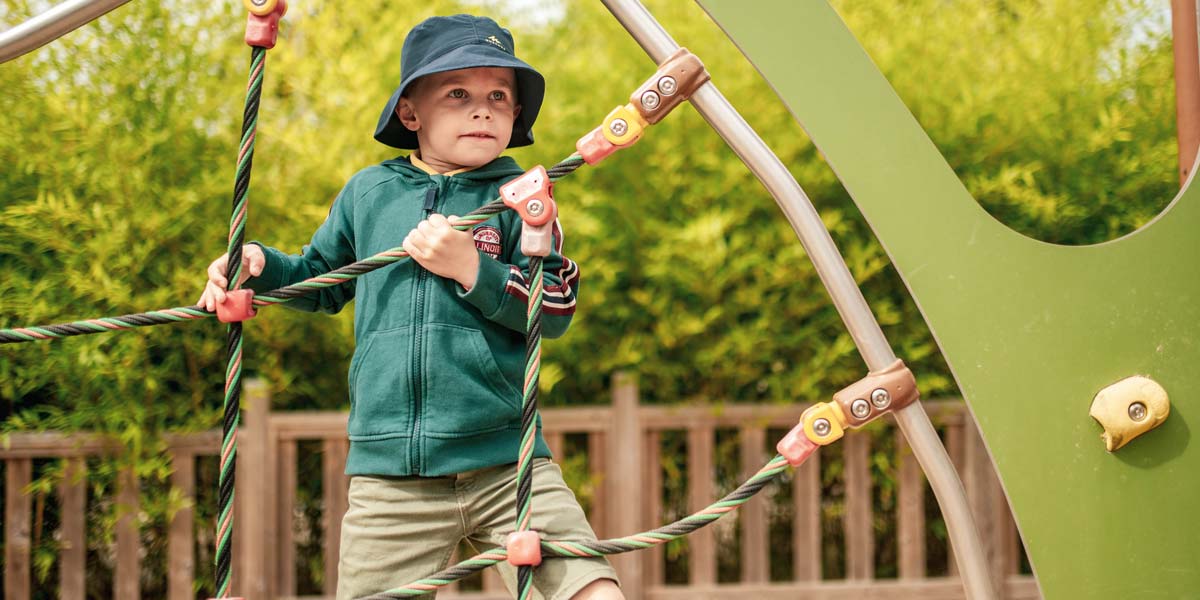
[[1021, 446]]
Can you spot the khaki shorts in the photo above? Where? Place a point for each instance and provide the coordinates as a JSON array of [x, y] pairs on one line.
[[399, 530]]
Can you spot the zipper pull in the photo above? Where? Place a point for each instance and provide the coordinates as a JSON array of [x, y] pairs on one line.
[[430, 199]]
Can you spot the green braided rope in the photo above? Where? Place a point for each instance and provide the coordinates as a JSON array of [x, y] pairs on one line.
[[233, 372], [533, 366], [594, 548], [282, 295]]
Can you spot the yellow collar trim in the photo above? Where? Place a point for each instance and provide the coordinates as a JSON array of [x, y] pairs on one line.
[[420, 164]]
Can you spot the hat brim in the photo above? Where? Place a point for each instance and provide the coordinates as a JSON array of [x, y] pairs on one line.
[[531, 88]]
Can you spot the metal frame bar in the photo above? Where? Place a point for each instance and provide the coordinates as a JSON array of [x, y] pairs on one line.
[[850, 303], [51, 25]]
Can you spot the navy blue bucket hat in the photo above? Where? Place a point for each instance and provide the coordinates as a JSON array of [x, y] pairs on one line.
[[440, 44]]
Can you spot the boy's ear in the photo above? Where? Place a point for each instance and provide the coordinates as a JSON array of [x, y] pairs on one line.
[[517, 112], [407, 114]]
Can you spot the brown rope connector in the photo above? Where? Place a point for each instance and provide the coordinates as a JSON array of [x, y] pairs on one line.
[[676, 80], [879, 392]]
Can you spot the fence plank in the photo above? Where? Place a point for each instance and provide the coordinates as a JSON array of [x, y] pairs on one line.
[[598, 472], [985, 498], [955, 447], [910, 511], [860, 539], [652, 478], [72, 492], [181, 541], [258, 516], [336, 486], [554, 440], [285, 567], [702, 554], [752, 516], [624, 479], [127, 582], [17, 505], [492, 582], [806, 522]]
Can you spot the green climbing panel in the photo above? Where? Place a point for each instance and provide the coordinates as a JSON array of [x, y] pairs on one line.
[[1031, 330]]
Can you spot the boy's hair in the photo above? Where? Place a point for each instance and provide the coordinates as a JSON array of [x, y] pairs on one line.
[[440, 44]]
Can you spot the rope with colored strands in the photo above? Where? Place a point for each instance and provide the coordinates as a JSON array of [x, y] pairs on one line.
[[592, 548], [533, 367], [233, 372], [164, 316]]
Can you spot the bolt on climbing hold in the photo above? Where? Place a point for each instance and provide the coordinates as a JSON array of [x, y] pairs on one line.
[[823, 423], [1128, 409]]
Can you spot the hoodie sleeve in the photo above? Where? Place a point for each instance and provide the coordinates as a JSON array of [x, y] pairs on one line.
[[501, 290], [332, 247]]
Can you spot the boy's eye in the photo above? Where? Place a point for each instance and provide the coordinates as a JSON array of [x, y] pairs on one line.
[[498, 95], [458, 93]]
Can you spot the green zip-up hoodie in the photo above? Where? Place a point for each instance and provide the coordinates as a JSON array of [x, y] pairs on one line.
[[437, 371]]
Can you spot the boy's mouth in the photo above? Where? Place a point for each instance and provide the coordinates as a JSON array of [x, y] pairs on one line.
[[478, 135]]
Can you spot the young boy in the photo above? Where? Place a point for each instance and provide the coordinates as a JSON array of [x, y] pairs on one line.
[[435, 379]]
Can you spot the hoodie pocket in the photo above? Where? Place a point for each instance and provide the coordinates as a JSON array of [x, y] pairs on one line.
[[380, 386], [466, 392]]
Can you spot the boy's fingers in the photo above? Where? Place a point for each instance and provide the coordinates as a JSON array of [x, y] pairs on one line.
[[411, 247], [216, 276], [257, 262], [425, 226], [438, 221]]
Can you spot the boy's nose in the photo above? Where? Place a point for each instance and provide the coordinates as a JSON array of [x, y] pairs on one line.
[[481, 111]]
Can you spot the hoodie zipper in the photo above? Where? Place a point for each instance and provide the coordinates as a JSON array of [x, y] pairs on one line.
[[431, 196]]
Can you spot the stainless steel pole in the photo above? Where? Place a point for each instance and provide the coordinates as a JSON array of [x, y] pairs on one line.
[[848, 299], [51, 25]]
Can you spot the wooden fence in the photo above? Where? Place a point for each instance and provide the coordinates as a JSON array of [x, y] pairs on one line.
[[622, 440]]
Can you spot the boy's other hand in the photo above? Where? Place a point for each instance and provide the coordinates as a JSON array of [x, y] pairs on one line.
[[253, 262], [444, 250]]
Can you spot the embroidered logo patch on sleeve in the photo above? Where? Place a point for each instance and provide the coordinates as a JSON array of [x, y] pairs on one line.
[[487, 240]]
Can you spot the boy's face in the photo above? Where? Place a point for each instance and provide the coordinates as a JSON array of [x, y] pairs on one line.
[[462, 118]]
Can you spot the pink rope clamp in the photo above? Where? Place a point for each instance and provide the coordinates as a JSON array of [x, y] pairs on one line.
[[262, 30], [795, 446], [524, 548], [594, 147], [237, 307], [532, 196]]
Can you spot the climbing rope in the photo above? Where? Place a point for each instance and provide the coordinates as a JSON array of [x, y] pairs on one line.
[[34, 333], [592, 548], [233, 372], [533, 365]]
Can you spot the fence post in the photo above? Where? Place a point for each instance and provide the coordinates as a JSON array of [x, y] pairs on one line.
[[127, 576], [73, 560], [624, 480], [253, 499], [17, 506]]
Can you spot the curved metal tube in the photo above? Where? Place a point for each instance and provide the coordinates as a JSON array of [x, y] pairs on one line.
[[51, 25], [851, 305]]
